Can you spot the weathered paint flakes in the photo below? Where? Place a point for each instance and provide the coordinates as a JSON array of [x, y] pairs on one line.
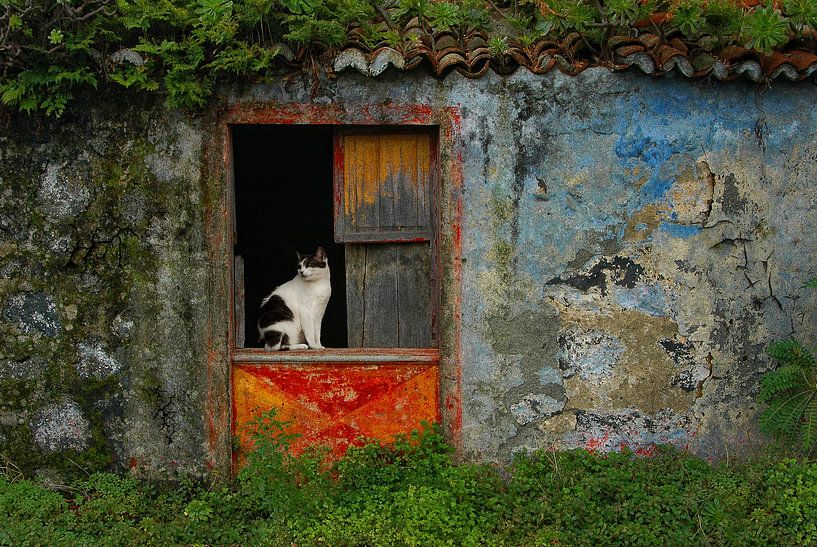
[[588, 354], [335, 405], [549, 375], [646, 298], [535, 407], [631, 429]]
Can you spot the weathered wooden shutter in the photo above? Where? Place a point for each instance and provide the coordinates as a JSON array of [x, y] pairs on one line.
[[383, 188]]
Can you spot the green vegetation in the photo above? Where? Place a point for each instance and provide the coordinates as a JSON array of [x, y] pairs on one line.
[[413, 494], [791, 393], [51, 50]]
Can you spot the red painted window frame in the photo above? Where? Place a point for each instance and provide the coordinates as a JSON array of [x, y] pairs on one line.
[[218, 182]]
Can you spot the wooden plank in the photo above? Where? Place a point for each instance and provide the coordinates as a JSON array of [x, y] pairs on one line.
[[355, 289], [388, 295], [381, 311], [361, 188], [409, 182], [388, 152], [425, 169], [371, 296], [239, 292], [414, 295], [385, 186], [409, 235]]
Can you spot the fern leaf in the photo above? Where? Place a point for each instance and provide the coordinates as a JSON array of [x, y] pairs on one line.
[[810, 424], [783, 415], [790, 352], [780, 380]]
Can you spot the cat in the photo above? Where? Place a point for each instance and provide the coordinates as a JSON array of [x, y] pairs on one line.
[[290, 316]]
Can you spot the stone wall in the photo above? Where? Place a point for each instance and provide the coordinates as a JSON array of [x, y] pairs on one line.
[[629, 248], [101, 269]]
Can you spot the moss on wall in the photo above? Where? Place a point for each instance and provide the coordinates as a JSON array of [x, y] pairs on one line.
[[92, 211]]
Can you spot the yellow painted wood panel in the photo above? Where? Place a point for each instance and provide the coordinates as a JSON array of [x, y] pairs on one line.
[[385, 187]]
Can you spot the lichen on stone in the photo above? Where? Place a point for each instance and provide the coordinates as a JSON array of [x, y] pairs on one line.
[[61, 426]]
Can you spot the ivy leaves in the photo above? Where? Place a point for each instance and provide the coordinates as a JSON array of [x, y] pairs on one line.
[[51, 49]]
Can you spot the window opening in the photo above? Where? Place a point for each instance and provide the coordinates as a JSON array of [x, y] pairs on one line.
[[364, 194], [283, 203]]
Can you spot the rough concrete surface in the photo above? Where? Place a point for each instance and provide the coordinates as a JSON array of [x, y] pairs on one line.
[[630, 247]]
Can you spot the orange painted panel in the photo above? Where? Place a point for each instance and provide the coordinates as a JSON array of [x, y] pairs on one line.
[[335, 405], [385, 186], [395, 412]]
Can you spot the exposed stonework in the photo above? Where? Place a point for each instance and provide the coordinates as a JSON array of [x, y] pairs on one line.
[[101, 265], [33, 313], [60, 427], [27, 369], [94, 362], [60, 198]]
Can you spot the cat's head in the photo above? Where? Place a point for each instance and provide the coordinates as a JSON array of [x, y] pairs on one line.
[[315, 266]]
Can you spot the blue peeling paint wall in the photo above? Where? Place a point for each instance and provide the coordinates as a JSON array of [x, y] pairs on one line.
[[632, 247]]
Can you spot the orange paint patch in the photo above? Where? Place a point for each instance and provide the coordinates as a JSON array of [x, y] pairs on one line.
[[334, 405], [399, 410], [383, 170]]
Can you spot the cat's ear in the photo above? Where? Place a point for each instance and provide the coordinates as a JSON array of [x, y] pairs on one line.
[[320, 254], [300, 256]]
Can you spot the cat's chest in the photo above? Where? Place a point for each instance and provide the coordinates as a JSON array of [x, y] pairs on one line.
[[317, 293]]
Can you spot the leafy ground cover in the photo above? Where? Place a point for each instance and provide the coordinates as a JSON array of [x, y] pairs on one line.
[[412, 493]]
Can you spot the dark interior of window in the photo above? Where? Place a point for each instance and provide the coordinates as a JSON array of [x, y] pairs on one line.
[[283, 204]]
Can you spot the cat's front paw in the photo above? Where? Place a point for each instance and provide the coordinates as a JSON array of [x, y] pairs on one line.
[[317, 347]]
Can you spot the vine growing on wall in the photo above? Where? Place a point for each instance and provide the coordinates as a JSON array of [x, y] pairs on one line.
[[51, 50]]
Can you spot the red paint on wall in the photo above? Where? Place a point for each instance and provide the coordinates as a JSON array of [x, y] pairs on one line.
[[336, 405], [388, 406], [646, 451], [454, 398], [596, 443]]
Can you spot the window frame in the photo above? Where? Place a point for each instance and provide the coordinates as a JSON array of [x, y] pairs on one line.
[[220, 352]]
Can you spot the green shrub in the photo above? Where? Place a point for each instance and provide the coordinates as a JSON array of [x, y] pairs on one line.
[[791, 501], [30, 514], [412, 493]]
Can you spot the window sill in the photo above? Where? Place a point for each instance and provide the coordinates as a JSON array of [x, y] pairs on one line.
[[338, 356]]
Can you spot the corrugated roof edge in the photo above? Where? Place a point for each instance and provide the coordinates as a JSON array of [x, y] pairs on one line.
[[645, 52]]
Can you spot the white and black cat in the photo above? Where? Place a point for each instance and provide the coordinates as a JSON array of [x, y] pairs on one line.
[[290, 317]]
